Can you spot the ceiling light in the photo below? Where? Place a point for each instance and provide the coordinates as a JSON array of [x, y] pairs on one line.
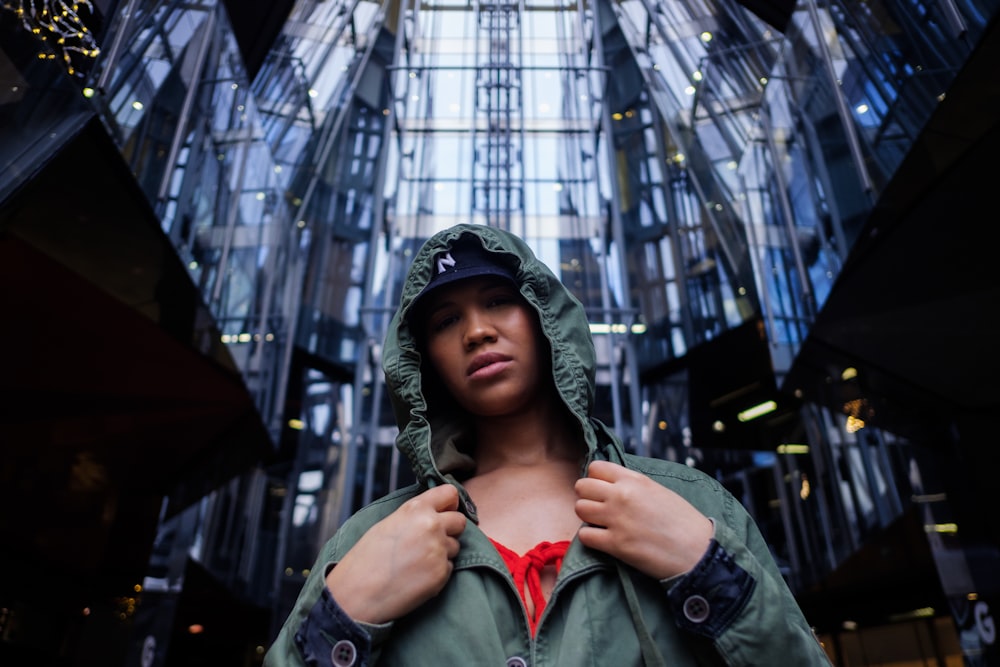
[[758, 410]]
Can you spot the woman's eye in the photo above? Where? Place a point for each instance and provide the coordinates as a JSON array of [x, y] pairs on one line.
[[443, 322], [499, 300]]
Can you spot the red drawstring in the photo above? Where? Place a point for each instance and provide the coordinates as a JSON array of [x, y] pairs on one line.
[[527, 572]]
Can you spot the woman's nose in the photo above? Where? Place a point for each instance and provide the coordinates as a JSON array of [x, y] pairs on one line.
[[478, 328]]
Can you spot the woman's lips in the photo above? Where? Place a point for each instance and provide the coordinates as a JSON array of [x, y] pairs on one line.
[[485, 360]]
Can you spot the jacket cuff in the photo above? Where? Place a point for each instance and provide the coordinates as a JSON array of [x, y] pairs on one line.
[[328, 637], [707, 599]]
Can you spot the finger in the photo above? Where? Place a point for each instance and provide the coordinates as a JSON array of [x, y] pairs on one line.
[[452, 547], [591, 512], [454, 523], [592, 489], [605, 470], [595, 537], [443, 498]]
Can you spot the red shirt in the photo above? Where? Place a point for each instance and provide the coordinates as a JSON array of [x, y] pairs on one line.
[[527, 570]]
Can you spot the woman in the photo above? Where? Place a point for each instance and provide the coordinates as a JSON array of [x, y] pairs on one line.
[[531, 538]]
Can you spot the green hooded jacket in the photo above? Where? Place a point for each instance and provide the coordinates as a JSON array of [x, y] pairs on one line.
[[733, 609]]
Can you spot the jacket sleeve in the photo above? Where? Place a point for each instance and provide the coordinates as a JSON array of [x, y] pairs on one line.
[[707, 599], [310, 634], [318, 632], [328, 636], [736, 597]]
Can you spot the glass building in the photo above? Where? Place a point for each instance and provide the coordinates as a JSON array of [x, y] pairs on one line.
[[777, 215]]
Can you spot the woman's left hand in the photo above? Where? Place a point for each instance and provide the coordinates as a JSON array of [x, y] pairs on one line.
[[644, 524]]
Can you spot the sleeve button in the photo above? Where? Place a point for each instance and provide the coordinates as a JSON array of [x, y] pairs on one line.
[[696, 609], [344, 654]]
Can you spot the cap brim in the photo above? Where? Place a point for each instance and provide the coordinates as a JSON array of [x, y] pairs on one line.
[[457, 276]]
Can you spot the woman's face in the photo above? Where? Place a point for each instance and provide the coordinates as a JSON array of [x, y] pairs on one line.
[[484, 342]]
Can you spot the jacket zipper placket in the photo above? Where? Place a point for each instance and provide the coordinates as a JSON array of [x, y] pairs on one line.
[[561, 583]]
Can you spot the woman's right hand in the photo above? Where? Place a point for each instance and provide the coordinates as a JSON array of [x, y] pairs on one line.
[[402, 561]]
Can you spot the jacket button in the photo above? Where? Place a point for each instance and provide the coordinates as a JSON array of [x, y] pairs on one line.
[[344, 654], [696, 609], [517, 661]]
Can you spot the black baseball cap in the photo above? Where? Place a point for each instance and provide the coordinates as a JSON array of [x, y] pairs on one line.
[[465, 259]]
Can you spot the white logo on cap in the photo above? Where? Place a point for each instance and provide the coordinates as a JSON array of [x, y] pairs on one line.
[[445, 261]]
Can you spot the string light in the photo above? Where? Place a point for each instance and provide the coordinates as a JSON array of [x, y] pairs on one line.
[[59, 25]]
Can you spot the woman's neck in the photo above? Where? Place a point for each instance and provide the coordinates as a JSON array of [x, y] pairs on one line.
[[523, 484], [544, 435]]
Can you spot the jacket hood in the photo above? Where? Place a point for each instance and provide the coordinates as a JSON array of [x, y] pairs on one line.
[[432, 432]]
